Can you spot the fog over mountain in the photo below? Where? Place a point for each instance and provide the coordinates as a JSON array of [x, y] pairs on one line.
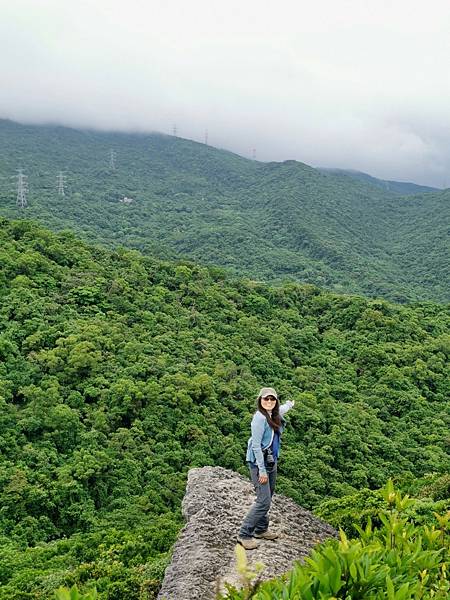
[[346, 85]]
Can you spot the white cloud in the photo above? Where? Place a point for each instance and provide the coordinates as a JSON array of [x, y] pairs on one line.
[[357, 84]]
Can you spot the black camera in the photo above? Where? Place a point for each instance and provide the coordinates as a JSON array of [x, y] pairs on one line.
[[268, 457]]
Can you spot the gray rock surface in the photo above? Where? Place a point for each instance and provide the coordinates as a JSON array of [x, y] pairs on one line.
[[214, 506]]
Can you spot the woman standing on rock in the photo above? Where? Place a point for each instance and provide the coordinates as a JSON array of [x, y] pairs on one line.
[[262, 454]]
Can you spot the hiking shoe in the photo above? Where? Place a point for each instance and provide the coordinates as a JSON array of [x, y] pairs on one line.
[[248, 543], [266, 535]]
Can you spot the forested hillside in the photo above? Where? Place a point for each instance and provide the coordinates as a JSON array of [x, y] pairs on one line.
[[269, 221], [118, 372]]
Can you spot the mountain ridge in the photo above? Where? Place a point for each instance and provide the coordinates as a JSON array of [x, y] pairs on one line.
[[394, 186], [268, 221]]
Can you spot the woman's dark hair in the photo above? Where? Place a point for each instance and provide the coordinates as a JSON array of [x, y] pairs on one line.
[[274, 420]]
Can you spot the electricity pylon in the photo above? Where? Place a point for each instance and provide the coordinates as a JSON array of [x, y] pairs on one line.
[[61, 179], [112, 159], [22, 189]]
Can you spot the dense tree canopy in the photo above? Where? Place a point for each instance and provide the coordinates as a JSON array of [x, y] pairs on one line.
[[118, 372]]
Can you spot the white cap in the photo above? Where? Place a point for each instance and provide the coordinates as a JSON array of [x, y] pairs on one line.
[[264, 392]]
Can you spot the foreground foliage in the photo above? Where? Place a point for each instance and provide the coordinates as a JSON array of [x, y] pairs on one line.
[[119, 372], [396, 561], [74, 594]]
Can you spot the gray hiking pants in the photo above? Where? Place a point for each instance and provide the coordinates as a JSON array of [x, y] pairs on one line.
[[257, 519]]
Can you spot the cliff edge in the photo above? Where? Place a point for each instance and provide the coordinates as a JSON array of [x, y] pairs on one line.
[[214, 506]]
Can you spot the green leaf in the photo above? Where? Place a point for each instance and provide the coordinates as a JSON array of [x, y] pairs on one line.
[[390, 588]]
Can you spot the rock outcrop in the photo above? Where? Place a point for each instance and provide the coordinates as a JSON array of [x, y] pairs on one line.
[[214, 506]]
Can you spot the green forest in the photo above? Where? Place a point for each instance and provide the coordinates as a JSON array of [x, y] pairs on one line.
[[119, 371], [266, 221]]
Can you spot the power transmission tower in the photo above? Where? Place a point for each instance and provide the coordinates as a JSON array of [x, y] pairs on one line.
[[174, 130], [112, 159], [22, 189], [254, 154], [206, 137], [61, 179]]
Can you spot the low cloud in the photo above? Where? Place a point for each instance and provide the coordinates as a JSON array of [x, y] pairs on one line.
[[331, 85]]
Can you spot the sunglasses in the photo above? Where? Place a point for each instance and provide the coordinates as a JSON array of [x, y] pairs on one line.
[[269, 399]]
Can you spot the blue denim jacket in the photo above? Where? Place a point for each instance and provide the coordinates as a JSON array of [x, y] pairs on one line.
[[261, 438]]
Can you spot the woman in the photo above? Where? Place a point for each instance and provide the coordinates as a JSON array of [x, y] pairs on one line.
[[262, 455]]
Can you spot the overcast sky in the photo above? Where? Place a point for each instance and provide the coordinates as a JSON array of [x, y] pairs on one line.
[[360, 84]]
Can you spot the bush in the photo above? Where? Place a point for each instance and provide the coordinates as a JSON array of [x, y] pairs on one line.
[[396, 561]]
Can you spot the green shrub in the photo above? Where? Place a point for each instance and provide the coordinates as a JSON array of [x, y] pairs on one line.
[[396, 561], [74, 594]]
